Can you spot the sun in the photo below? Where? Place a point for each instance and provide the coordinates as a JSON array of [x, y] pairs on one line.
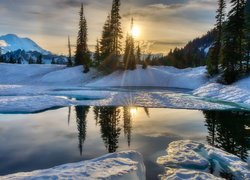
[[135, 31]]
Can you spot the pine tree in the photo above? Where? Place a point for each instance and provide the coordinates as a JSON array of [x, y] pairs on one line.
[[138, 54], [214, 54], [116, 30], [97, 55], [82, 54], [31, 61], [39, 59], [129, 54], [12, 60], [106, 43], [232, 52], [69, 64], [247, 34]]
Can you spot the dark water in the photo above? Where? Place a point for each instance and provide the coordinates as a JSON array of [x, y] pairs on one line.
[[43, 140]]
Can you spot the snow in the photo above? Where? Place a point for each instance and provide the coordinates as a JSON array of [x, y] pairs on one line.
[[181, 174], [56, 75], [117, 166], [12, 42], [32, 88], [236, 93], [188, 159], [190, 78]]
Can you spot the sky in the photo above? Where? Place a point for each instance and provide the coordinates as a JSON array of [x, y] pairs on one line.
[[163, 24]]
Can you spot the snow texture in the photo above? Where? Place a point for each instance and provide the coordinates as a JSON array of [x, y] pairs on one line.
[[236, 93], [191, 159], [190, 78], [118, 166], [182, 174], [32, 88]]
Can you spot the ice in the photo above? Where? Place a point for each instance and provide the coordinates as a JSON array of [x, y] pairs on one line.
[[118, 166], [193, 159], [20, 86]]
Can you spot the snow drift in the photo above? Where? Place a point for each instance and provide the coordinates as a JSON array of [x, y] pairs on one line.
[[236, 93], [117, 166], [190, 78]]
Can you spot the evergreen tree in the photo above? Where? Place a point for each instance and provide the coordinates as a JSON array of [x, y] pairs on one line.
[[19, 61], [116, 30], [82, 54], [31, 61], [105, 43], [12, 60], [39, 59], [81, 120], [53, 61], [214, 54], [232, 52], [97, 55], [109, 120], [138, 54], [129, 54], [70, 56], [247, 35]]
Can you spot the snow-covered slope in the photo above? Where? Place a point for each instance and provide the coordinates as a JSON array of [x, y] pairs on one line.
[[190, 78], [44, 74], [127, 165], [238, 92], [12, 42]]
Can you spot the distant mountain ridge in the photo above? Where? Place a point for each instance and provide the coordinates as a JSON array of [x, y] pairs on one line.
[[12, 42]]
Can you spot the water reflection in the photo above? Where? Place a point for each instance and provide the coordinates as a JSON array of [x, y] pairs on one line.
[[228, 131], [81, 115]]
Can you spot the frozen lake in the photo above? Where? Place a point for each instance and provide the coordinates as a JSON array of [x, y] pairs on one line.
[[71, 134]]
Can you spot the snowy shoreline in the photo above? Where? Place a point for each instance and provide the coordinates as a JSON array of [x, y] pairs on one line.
[[32, 88]]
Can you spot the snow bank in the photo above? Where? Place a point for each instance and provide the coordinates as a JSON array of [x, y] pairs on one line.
[[189, 159], [44, 74], [236, 93], [117, 166], [155, 77], [28, 99]]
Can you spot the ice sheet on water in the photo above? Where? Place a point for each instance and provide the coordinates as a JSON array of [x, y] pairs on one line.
[[23, 98], [118, 166], [196, 157]]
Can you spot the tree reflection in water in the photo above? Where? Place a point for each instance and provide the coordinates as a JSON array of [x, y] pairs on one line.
[[229, 131], [81, 115]]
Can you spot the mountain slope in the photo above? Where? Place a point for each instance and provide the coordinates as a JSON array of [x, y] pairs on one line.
[[12, 42]]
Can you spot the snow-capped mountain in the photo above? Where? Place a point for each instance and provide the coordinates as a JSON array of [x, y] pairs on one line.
[[12, 42]]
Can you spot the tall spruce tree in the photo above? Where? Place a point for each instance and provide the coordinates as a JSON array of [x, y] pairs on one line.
[[82, 53], [138, 54], [247, 35], [105, 43], [69, 63], [97, 55], [39, 59], [116, 29], [232, 52], [129, 54], [214, 54]]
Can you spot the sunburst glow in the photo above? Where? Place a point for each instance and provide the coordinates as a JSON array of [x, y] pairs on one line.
[[133, 111], [135, 31]]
